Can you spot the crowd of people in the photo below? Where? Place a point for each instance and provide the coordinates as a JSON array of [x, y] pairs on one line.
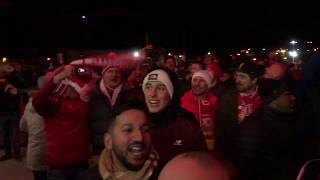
[[196, 119]]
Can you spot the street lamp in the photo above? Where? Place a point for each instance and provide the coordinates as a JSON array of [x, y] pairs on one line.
[[293, 42], [293, 54]]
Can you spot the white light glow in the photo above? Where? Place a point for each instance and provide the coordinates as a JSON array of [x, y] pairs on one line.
[[136, 54], [293, 42], [293, 54], [4, 59]]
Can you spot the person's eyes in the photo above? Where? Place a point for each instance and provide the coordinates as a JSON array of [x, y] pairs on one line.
[[161, 88], [146, 129], [127, 129], [148, 86]]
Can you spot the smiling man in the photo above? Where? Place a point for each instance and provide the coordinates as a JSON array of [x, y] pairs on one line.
[[202, 104], [175, 130], [128, 153]]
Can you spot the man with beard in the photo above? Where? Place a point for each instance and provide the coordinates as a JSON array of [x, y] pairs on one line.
[[175, 130], [237, 104], [128, 153], [202, 104]]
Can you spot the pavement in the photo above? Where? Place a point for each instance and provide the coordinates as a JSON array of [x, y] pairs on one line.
[[14, 170]]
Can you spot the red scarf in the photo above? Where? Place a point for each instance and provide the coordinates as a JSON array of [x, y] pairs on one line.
[[247, 104]]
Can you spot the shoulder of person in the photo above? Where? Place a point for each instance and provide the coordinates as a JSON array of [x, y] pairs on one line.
[[186, 117]]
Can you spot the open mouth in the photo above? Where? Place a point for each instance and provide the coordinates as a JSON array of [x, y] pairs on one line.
[[137, 150], [153, 102]]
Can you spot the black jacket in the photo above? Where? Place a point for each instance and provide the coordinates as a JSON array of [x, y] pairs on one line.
[[99, 112]]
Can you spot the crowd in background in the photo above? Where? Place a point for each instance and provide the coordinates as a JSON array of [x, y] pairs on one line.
[[260, 115]]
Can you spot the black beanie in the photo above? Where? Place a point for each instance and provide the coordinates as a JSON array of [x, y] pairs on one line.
[[252, 69]]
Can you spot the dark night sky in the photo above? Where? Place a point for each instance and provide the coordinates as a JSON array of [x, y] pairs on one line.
[[193, 26]]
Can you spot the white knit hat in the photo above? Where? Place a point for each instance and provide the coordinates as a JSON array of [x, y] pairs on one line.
[[205, 74], [161, 76]]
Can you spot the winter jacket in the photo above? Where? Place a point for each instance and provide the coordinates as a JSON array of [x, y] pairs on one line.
[[205, 111], [262, 147], [99, 113], [227, 120], [65, 127], [175, 131], [32, 123]]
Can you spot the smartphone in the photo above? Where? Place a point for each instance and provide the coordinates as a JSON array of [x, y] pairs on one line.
[[81, 70]]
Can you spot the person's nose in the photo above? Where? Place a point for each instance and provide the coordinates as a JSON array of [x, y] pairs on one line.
[[152, 92], [137, 136]]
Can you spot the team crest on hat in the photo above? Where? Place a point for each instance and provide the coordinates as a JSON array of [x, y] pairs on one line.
[[153, 77]]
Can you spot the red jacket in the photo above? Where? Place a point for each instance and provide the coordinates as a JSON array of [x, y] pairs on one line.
[[205, 111], [65, 127]]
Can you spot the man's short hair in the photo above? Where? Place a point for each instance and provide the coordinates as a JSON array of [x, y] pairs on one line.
[[134, 104]]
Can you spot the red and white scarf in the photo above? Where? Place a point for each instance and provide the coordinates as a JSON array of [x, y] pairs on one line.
[[247, 104]]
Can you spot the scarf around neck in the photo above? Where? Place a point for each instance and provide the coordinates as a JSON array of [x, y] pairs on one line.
[[113, 98], [110, 168]]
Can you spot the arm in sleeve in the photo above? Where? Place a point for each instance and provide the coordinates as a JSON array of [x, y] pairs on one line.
[[41, 102]]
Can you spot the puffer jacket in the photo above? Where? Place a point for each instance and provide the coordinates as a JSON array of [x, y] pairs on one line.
[[65, 127]]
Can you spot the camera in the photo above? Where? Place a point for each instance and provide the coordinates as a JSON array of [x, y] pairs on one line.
[[81, 70]]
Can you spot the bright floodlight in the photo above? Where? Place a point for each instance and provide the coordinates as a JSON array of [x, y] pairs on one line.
[[293, 42], [84, 17], [4, 59], [136, 54], [48, 59], [209, 53], [293, 54]]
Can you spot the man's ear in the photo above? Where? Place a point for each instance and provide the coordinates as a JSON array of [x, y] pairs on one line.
[[107, 141]]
